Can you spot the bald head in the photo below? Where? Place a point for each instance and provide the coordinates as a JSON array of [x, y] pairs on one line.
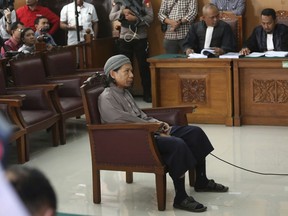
[[210, 14]]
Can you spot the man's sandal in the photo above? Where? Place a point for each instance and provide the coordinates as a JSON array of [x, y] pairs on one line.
[[190, 204], [212, 186]]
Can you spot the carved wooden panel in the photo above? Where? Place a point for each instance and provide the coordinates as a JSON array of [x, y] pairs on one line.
[[270, 91], [193, 90]]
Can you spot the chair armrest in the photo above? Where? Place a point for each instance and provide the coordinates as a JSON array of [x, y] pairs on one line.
[[171, 115], [46, 87], [16, 97], [151, 127], [11, 102], [69, 87], [35, 96]]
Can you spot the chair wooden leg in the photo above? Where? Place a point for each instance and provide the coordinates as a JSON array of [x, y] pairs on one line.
[[191, 177], [62, 131], [129, 177], [161, 191], [21, 150], [96, 187], [55, 134]]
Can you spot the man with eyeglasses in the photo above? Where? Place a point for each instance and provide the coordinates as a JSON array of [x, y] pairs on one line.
[[211, 33], [14, 42]]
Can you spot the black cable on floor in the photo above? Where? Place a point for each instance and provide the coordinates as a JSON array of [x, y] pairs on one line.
[[260, 173]]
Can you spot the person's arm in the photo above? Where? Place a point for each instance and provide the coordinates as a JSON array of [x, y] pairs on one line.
[[191, 42], [95, 28], [252, 43], [94, 20], [192, 12], [228, 43], [54, 20], [64, 20], [116, 11], [149, 13]]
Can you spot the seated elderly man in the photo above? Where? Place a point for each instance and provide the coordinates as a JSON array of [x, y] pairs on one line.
[[268, 36], [182, 147], [211, 33]]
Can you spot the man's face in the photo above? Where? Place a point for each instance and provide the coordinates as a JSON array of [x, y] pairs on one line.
[[124, 76], [211, 17], [80, 2], [29, 38], [268, 23], [42, 25], [31, 2]]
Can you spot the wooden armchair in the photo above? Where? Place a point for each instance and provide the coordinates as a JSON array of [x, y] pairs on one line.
[[62, 62], [30, 70], [125, 147], [29, 109], [10, 109]]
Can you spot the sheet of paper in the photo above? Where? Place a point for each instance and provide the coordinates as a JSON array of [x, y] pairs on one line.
[[231, 55]]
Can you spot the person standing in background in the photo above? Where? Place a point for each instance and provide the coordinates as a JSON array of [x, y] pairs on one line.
[[29, 12], [8, 17], [87, 18], [178, 16], [235, 6], [133, 38]]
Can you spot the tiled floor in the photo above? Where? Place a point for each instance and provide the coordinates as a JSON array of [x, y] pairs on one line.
[[259, 148]]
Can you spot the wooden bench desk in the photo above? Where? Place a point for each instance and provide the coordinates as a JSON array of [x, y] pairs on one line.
[[206, 83]]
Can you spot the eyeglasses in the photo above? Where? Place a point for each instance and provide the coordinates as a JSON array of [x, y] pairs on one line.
[[19, 30]]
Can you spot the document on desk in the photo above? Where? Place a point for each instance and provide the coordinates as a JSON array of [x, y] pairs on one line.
[[196, 55], [256, 54], [230, 55], [276, 54], [205, 53], [268, 54]]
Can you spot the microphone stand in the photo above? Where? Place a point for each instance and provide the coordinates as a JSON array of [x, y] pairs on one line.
[[77, 22], [78, 34]]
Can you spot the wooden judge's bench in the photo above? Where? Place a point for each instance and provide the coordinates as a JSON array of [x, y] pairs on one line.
[[231, 92]]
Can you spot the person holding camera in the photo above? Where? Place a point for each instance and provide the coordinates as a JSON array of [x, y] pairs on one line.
[[177, 15], [87, 20], [41, 34], [135, 17]]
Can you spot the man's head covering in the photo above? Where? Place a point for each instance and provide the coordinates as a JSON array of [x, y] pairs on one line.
[[115, 62]]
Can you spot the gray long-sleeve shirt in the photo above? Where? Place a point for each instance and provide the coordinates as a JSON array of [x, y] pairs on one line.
[[141, 29], [117, 105]]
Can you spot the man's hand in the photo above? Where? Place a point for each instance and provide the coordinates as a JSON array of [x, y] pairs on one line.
[[129, 15], [189, 51], [174, 24], [164, 129], [7, 14], [245, 51], [218, 51]]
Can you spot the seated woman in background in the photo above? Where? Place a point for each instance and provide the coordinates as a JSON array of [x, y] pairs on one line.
[[28, 40]]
